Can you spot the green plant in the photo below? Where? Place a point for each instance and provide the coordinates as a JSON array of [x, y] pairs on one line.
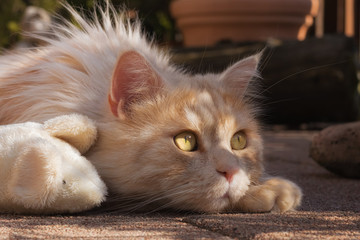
[[11, 12], [154, 15]]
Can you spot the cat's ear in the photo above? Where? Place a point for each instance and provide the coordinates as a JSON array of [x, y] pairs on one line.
[[133, 81], [238, 76]]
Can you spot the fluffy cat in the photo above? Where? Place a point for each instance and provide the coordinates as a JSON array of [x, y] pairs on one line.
[[183, 141]]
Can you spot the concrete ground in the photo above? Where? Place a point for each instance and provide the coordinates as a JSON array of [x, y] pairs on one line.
[[330, 209]]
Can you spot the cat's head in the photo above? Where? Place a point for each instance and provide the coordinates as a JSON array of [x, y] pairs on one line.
[[187, 141]]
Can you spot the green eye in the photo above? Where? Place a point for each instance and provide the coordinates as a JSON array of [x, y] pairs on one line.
[[186, 141], [238, 141]]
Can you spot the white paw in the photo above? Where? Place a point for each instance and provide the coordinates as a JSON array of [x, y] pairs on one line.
[[275, 195]]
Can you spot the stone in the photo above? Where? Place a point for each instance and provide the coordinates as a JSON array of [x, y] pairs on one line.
[[337, 148]]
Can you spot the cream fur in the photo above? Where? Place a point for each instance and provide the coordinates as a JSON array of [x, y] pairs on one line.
[[78, 71], [39, 173]]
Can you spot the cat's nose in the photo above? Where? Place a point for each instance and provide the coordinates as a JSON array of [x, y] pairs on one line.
[[229, 173]]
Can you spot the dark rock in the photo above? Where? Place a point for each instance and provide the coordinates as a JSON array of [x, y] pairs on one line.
[[337, 148]]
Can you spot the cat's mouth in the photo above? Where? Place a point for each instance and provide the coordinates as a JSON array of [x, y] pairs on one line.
[[226, 195], [236, 190], [227, 198]]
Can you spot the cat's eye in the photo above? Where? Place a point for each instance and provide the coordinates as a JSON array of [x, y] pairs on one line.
[[238, 141], [186, 141]]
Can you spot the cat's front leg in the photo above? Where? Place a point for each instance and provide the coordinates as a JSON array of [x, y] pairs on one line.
[[273, 194]]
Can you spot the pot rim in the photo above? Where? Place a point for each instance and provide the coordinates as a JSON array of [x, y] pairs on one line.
[[184, 8]]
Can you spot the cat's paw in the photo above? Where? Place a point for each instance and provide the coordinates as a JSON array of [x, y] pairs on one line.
[[273, 195]]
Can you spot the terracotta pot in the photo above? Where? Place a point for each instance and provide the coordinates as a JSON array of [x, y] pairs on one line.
[[207, 22]]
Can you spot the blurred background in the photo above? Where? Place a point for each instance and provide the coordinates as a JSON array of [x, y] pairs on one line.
[[311, 54], [154, 14]]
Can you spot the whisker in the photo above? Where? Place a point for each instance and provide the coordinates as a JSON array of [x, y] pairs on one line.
[[264, 61], [202, 58], [302, 71], [148, 202], [279, 101]]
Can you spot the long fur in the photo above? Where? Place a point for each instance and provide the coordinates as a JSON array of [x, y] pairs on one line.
[[136, 155], [75, 58]]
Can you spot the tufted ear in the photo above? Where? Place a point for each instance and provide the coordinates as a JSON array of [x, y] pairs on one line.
[[238, 76], [133, 81]]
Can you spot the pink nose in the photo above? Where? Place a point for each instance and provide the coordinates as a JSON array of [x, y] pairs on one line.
[[229, 174]]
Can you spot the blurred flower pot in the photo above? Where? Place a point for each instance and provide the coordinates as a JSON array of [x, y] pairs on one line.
[[207, 22]]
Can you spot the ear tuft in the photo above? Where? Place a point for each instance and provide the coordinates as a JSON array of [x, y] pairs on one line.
[[238, 76], [133, 81]]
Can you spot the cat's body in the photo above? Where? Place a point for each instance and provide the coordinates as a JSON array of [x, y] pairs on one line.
[[110, 73]]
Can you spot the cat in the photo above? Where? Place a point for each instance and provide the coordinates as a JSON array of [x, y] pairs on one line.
[[186, 142]]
